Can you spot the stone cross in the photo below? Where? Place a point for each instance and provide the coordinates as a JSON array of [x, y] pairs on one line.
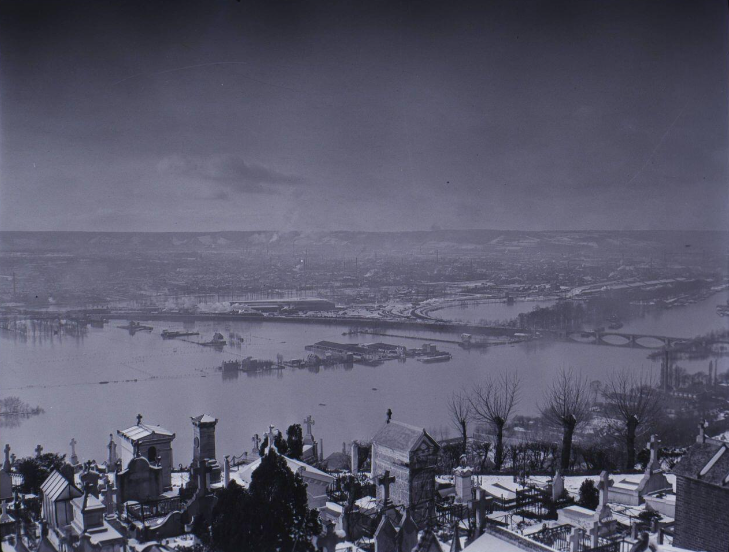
[[6, 462], [575, 539], [595, 535], [271, 437], [385, 480], [309, 421], [38, 451], [604, 485], [654, 464], [74, 458], [139, 419], [256, 439]]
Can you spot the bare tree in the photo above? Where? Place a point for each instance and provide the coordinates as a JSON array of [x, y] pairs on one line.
[[459, 412], [633, 399], [492, 402], [567, 405]]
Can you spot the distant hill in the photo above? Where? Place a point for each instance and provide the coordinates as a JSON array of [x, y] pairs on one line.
[[444, 241]]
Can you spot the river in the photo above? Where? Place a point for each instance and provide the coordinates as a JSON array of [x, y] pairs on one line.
[[176, 380]]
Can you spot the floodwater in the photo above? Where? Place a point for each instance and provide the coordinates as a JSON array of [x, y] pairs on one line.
[[168, 381], [496, 311]]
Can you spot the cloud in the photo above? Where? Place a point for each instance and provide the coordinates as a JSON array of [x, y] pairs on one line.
[[229, 171]]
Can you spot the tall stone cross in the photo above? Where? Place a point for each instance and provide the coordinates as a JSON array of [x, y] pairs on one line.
[[385, 480], [74, 458], [604, 485], [256, 440], [309, 421], [139, 419], [38, 451], [271, 438], [6, 462], [654, 464]]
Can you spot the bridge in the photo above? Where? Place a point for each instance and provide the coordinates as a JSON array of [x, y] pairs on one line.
[[622, 339]]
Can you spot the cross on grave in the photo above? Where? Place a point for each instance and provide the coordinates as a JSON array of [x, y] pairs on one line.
[[595, 534], [74, 458], [575, 539], [201, 472], [654, 464], [271, 437], [604, 485], [38, 451], [6, 462], [139, 419], [309, 421], [256, 439], [385, 480]]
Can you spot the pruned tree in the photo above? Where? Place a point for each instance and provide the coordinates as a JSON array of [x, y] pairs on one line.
[[492, 402], [567, 405], [634, 400], [459, 412]]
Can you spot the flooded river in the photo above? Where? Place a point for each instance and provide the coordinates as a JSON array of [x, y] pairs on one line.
[[168, 381]]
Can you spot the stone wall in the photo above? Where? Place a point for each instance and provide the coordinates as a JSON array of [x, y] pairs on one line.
[[702, 516]]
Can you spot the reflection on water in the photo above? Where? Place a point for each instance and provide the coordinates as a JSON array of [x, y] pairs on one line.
[[170, 380]]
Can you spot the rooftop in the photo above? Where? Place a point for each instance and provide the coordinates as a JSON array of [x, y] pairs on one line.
[[707, 462], [401, 436], [142, 431]]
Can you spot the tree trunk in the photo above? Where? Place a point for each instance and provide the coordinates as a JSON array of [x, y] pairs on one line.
[[632, 426], [569, 429], [464, 435], [499, 452]]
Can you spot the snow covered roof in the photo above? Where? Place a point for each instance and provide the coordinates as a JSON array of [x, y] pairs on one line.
[[143, 431], [56, 487], [401, 436]]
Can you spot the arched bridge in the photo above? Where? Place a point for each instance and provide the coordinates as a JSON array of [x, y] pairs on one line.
[[621, 339]]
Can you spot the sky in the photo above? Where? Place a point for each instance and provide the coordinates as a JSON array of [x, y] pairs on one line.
[[363, 115]]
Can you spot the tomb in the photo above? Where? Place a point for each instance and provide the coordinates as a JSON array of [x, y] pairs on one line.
[[58, 492], [409, 455], [152, 442], [631, 489], [584, 518]]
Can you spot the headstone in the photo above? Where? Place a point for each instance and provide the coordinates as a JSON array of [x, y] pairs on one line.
[[6, 462], [385, 536], [74, 458], [557, 486]]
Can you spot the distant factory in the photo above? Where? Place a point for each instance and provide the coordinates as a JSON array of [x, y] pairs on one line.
[[286, 305]]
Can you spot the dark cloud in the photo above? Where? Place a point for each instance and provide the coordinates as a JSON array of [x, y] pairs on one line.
[[230, 171]]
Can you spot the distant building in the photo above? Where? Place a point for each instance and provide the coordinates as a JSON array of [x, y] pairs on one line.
[[702, 496], [277, 305], [409, 454]]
